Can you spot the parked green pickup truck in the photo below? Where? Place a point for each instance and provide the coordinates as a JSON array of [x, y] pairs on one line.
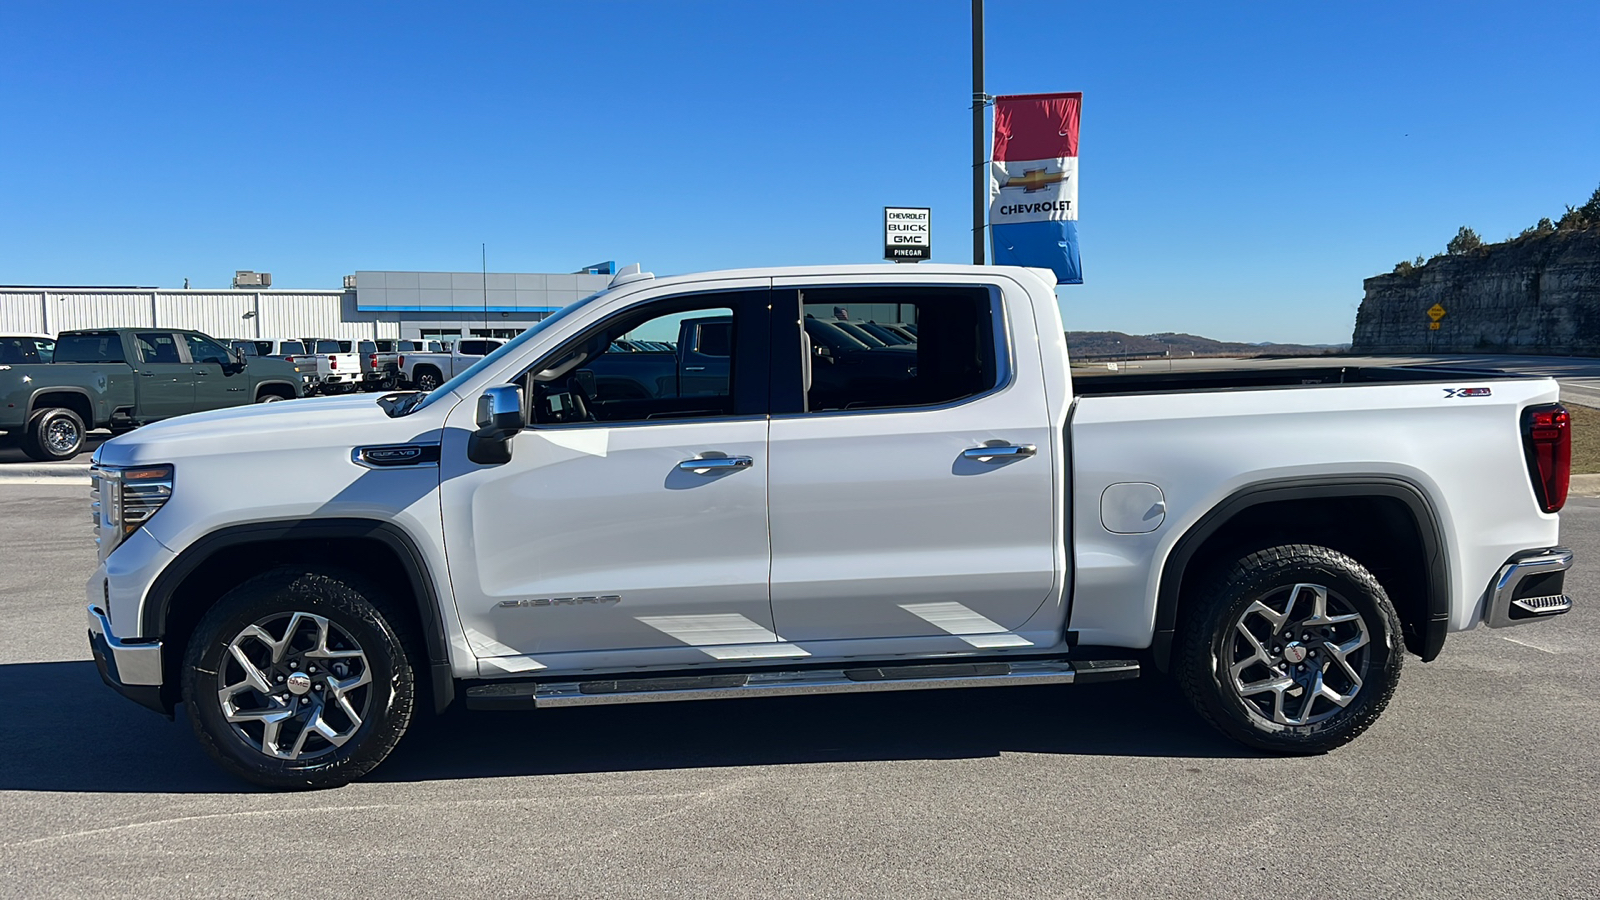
[[120, 378]]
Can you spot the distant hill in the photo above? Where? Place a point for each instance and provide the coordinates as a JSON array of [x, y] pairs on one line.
[[1113, 344]]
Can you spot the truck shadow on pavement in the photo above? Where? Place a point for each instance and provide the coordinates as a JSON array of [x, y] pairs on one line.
[[62, 730]]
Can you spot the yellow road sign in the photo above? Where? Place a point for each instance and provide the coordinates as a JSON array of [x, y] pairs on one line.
[[1436, 313], [1433, 326]]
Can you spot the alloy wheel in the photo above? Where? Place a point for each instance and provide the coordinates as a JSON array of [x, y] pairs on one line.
[[294, 685], [1298, 655]]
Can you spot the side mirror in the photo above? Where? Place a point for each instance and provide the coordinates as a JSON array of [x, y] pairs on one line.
[[499, 419]]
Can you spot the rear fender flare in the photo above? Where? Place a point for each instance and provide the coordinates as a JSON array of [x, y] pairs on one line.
[[1408, 493]]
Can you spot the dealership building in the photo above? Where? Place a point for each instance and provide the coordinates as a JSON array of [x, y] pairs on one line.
[[371, 305]]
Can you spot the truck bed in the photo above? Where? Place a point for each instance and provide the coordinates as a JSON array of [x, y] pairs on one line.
[[1103, 382]]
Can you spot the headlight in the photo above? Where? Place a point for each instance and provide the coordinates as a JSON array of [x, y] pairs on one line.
[[125, 497]]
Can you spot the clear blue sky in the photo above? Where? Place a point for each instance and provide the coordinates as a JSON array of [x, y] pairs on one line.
[[1244, 165]]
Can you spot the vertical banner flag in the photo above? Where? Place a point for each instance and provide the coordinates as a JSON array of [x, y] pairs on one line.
[[1033, 183]]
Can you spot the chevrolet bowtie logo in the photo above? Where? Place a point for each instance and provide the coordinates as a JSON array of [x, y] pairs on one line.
[[1035, 180]]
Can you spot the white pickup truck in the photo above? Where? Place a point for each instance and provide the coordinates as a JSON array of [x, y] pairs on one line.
[[961, 510], [427, 371]]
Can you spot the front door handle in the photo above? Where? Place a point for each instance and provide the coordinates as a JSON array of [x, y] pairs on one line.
[[1000, 454], [716, 465]]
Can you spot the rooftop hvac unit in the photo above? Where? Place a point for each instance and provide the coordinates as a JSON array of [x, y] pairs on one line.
[[349, 282], [247, 278]]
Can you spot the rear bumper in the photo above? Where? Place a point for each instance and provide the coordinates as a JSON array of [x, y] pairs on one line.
[[1530, 586], [131, 669]]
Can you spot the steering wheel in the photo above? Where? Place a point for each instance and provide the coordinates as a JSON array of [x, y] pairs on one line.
[[582, 403]]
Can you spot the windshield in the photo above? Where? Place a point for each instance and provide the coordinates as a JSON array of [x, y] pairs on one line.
[[511, 346]]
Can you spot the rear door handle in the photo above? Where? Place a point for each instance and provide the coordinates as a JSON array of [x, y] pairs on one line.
[[1000, 454], [716, 465]]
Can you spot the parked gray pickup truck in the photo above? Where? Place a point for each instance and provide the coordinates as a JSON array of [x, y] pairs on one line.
[[120, 378]]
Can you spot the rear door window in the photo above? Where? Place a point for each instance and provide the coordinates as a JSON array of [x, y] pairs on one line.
[[850, 367], [158, 347]]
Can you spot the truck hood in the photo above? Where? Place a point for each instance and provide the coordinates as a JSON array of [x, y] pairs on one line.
[[290, 425]]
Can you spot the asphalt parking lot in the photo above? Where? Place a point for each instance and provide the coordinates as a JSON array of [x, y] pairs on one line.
[[1480, 781]]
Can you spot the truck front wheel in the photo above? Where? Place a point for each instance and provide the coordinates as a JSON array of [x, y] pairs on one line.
[[427, 380], [298, 680], [54, 434], [1294, 649]]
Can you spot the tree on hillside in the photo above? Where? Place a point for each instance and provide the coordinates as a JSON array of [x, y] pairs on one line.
[[1465, 241], [1545, 226], [1582, 216]]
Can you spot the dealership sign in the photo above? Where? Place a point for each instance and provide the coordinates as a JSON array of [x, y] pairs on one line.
[[907, 234]]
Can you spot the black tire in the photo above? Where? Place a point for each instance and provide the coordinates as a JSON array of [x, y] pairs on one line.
[[1278, 699], [354, 614], [54, 434], [268, 398], [428, 380]]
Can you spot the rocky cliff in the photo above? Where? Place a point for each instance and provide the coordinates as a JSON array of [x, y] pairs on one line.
[[1534, 294]]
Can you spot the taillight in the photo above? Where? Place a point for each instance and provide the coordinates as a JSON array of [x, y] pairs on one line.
[[372, 360], [333, 362], [400, 362], [1547, 438]]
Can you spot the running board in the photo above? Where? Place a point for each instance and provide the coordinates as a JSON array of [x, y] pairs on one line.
[[530, 695]]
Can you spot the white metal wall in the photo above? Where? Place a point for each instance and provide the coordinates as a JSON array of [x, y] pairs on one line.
[[228, 314], [22, 312], [221, 314], [70, 311]]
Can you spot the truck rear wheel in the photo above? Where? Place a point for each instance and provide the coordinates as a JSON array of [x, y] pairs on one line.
[[53, 434], [1294, 649], [427, 379], [298, 680]]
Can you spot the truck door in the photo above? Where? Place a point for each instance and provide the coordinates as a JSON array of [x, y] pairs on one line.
[[166, 379], [218, 382], [911, 486], [628, 518]]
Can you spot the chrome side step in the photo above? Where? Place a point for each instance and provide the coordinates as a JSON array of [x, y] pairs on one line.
[[599, 692]]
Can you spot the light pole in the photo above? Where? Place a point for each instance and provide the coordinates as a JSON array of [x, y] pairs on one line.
[[979, 101]]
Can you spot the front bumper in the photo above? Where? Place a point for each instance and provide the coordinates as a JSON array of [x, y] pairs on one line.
[[1530, 586], [131, 669]]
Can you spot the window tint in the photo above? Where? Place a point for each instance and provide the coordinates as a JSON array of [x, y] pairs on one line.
[[478, 348], [714, 338], [94, 347], [157, 347], [17, 351], [638, 367], [367, 347], [291, 348], [877, 348], [384, 346], [203, 349], [89, 348], [327, 347]]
